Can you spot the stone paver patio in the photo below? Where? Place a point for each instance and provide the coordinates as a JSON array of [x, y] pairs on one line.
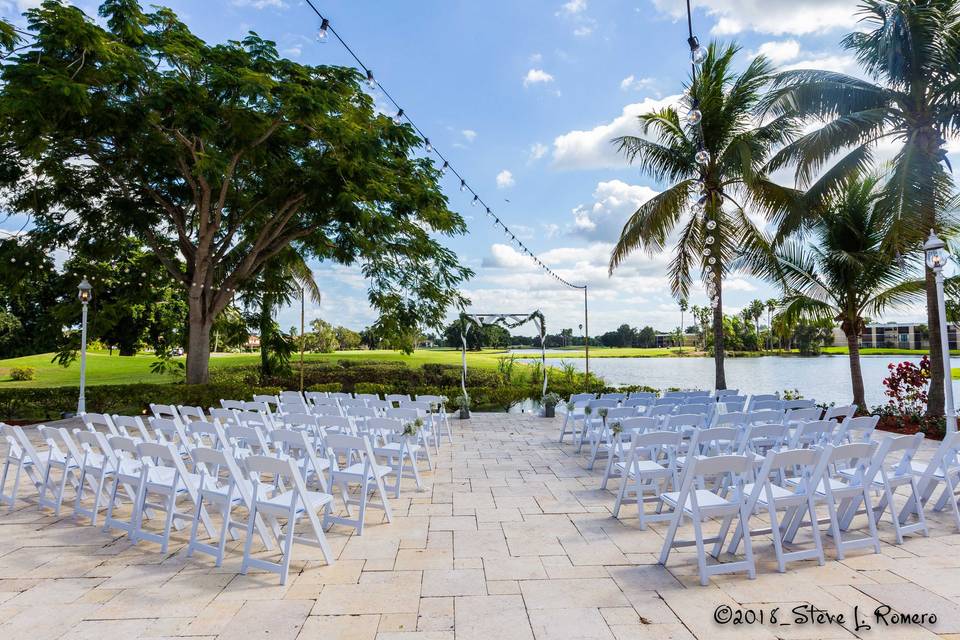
[[512, 538]]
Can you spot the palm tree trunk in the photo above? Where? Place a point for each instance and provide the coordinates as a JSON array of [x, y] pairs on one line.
[[856, 375], [718, 344], [935, 399]]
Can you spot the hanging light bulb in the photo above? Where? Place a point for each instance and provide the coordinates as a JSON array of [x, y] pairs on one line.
[[703, 157], [694, 116], [697, 53], [322, 34], [711, 225], [397, 119], [443, 169], [708, 240], [711, 260], [706, 252], [476, 199], [428, 146], [371, 81], [697, 207], [463, 185]]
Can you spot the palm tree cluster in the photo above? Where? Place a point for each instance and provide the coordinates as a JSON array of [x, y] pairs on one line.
[[844, 241]]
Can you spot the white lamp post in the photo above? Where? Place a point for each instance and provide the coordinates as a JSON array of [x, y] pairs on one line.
[[937, 257], [85, 295]]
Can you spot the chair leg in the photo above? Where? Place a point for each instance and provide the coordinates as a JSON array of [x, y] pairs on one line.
[[747, 541], [625, 480], [248, 542], [871, 521], [16, 486], [701, 552]]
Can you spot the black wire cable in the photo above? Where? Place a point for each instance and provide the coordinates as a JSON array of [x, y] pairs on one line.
[[446, 162]]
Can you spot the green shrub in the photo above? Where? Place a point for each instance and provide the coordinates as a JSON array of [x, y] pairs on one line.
[[372, 387], [22, 373], [334, 387]]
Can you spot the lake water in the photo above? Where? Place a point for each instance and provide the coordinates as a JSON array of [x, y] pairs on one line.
[[824, 378]]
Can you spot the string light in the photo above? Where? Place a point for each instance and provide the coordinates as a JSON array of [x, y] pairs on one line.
[[327, 28]]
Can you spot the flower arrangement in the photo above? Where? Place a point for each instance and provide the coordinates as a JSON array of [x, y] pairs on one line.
[[551, 400], [602, 412], [587, 410], [571, 406], [616, 428], [413, 428]]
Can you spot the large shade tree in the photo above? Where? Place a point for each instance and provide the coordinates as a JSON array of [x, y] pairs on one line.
[[219, 157], [842, 269], [910, 49], [706, 201]]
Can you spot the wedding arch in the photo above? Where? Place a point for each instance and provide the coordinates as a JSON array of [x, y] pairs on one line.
[[507, 321]]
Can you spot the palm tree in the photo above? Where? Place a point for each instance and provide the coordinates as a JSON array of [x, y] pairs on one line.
[[755, 311], [284, 278], [771, 305], [683, 307], [841, 268], [911, 51], [715, 171]]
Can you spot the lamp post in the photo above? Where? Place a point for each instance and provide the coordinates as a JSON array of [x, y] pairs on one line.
[[85, 295], [937, 257]]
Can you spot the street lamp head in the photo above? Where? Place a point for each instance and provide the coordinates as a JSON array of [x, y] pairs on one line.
[[935, 251], [85, 291]]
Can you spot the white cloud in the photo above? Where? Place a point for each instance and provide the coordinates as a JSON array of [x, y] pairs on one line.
[[469, 134], [294, 51], [583, 30], [770, 16], [536, 58], [780, 52], [614, 202], [592, 149], [827, 62], [632, 82], [574, 7], [505, 179], [537, 151], [536, 76]]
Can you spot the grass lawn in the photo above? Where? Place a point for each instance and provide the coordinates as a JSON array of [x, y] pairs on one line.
[[102, 368]]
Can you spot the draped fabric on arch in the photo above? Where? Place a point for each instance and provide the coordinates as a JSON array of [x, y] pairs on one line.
[[507, 321]]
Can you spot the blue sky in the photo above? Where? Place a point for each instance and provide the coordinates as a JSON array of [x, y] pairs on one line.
[[523, 98]]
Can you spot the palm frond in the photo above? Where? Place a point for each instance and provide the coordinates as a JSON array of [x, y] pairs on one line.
[[650, 225]]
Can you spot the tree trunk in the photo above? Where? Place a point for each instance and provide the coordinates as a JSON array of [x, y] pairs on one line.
[[856, 375], [935, 398], [718, 342], [266, 330], [198, 346]]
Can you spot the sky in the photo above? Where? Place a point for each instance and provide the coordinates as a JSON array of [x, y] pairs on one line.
[[523, 99]]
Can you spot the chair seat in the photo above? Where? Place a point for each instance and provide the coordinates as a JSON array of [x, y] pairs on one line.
[[279, 504], [357, 470], [705, 499], [395, 447], [642, 467], [892, 475], [779, 492], [163, 478]]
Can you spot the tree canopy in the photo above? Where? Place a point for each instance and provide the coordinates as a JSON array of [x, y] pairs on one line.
[[218, 156]]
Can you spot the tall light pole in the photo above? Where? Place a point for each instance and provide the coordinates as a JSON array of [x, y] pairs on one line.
[[85, 295], [937, 257]]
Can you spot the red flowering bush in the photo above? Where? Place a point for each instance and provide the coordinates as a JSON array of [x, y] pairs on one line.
[[907, 387]]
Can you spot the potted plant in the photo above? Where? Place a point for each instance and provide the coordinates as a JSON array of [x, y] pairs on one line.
[[550, 402], [464, 402]]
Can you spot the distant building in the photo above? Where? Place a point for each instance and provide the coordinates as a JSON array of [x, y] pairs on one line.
[[252, 343], [665, 340], [895, 335]]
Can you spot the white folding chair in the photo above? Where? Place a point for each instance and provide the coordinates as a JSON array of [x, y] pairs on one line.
[[862, 427], [97, 465], [425, 436], [621, 442], [191, 414], [22, 457], [887, 478], [438, 410], [943, 467], [274, 504], [769, 492], [841, 413], [63, 458], [592, 419], [397, 448], [170, 431], [205, 434], [650, 465], [812, 434], [359, 467], [247, 441], [803, 403], [840, 492], [132, 427], [224, 416], [726, 501], [573, 411], [234, 490], [165, 411], [296, 445], [808, 414], [599, 434], [762, 397], [767, 405], [164, 475], [129, 474], [100, 422]]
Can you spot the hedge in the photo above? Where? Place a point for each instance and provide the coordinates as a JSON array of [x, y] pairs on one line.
[[128, 399], [488, 390]]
